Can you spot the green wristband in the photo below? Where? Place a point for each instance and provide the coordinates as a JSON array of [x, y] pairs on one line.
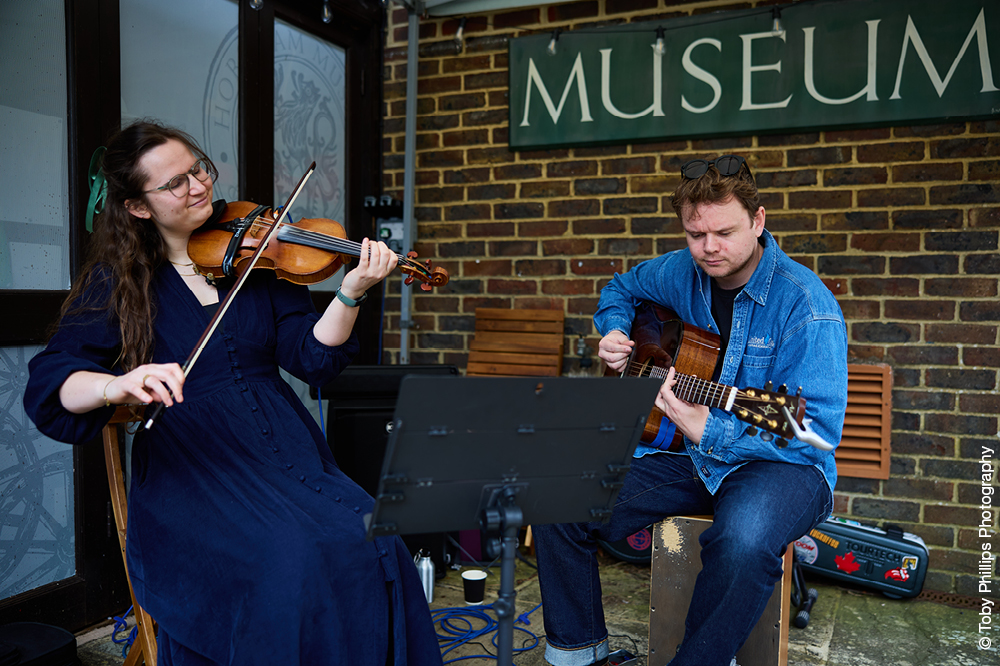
[[350, 302]]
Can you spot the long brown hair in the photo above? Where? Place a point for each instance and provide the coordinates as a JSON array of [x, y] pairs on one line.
[[125, 250]]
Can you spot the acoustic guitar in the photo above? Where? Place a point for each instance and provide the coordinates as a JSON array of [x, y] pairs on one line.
[[663, 340]]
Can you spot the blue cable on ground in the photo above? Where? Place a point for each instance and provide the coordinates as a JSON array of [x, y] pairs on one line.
[[121, 625], [523, 617], [459, 626]]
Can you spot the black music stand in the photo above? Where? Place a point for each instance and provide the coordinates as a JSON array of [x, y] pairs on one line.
[[497, 453]]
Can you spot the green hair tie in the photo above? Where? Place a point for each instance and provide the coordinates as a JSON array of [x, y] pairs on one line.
[[98, 187]]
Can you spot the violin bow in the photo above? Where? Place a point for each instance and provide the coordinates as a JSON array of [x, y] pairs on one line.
[[227, 301]]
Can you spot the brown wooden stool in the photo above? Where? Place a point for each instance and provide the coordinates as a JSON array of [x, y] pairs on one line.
[[675, 565]]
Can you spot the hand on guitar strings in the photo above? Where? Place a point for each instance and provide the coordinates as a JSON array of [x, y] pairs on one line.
[[615, 349], [690, 419]]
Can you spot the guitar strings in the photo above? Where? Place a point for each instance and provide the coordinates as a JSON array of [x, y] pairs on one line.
[[688, 385], [695, 389]]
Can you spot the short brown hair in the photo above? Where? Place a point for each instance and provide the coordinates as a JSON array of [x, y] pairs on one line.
[[712, 188]]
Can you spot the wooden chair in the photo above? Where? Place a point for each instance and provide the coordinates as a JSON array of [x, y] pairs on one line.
[[517, 343], [144, 647], [676, 563]]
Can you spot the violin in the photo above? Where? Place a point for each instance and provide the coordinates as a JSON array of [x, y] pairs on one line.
[[304, 252], [221, 248]]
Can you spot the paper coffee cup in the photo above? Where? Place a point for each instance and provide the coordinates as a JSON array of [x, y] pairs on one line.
[[474, 582]]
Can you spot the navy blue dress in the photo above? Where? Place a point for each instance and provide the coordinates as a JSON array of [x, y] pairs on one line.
[[245, 540]]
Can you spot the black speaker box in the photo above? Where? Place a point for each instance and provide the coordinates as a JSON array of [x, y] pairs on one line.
[[362, 402], [36, 644]]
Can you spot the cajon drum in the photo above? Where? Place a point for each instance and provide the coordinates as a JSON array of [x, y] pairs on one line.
[[675, 565]]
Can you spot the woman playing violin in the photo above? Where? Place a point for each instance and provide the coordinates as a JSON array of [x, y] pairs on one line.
[[246, 541]]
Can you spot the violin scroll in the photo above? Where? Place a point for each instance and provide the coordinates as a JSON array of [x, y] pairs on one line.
[[428, 276]]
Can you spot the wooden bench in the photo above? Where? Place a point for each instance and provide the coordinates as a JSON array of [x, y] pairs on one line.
[[517, 343]]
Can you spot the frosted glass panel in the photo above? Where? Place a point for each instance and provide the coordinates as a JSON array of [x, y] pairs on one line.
[[37, 544], [34, 218], [309, 126], [186, 75], [309, 122]]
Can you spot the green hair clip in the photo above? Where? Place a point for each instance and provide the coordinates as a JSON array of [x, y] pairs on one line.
[[98, 187]]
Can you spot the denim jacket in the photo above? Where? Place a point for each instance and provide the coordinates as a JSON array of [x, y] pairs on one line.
[[787, 328]]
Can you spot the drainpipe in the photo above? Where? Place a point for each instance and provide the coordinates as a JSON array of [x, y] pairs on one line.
[[409, 171]]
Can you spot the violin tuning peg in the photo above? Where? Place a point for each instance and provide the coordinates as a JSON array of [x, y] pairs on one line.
[[408, 280], [425, 287], [411, 254], [768, 385]]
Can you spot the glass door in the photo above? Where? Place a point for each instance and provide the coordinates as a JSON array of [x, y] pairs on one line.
[[36, 474], [188, 76]]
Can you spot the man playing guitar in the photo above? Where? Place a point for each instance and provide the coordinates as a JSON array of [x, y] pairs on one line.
[[776, 321]]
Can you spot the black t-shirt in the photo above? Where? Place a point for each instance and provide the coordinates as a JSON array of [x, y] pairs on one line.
[[722, 312]]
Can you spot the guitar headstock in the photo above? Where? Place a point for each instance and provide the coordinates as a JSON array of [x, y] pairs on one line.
[[422, 272], [769, 410]]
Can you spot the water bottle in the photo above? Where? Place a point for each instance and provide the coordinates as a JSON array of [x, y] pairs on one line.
[[425, 567]]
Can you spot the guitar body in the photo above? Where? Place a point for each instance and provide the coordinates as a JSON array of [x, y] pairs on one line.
[[663, 340]]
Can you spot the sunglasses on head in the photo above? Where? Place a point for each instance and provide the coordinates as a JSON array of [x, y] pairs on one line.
[[727, 165]]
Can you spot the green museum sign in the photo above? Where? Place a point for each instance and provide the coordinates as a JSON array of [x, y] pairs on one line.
[[828, 64]]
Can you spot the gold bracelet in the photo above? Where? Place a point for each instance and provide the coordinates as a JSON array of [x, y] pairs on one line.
[[107, 403]]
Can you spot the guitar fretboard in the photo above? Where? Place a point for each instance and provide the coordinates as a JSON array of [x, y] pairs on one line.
[[692, 389]]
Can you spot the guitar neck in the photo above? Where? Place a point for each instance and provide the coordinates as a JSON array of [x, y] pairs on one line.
[[700, 391]]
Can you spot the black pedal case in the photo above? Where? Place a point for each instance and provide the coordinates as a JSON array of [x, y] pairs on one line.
[[887, 560]]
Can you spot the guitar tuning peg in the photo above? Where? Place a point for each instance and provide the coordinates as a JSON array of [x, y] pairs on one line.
[[768, 386], [781, 442], [766, 436], [752, 431], [798, 393], [783, 389]]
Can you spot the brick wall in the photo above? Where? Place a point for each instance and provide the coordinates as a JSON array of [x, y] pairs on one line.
[[900, 223]]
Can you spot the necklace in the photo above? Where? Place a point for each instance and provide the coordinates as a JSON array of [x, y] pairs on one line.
[[176, 264]]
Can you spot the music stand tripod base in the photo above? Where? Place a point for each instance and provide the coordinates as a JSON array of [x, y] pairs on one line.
[[498, 453]]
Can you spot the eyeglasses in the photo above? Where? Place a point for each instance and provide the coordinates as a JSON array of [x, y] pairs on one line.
[[180, 184], [728, 165]]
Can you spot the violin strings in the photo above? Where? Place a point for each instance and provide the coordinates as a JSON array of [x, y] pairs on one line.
[[327, 242]]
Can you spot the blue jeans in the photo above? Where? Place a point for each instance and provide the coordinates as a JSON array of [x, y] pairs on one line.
[[759, 509]]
